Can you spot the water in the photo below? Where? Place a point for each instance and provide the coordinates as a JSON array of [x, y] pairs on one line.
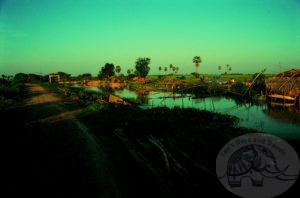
[[281, 122]]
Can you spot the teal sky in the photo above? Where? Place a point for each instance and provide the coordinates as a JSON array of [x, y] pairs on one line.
[[80, 36]]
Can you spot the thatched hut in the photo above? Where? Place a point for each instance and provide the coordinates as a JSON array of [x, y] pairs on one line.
[[286, 83]]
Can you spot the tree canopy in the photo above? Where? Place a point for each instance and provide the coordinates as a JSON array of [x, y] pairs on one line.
[[85, 76], [107, 71], [197, 60], [64, 76], [118, 69], [142, 66]]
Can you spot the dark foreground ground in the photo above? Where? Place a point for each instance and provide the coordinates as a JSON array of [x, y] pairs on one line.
[[53, 148]]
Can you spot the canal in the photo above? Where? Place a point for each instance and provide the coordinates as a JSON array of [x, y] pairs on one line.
[[279, 121]]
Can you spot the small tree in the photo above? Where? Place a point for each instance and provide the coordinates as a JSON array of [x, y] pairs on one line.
[[260, 83], [142, 66], [107, 71], [64, 76], [118, 69], [85, 76], [238, 87], [130, 74], [166, 69], [20, 78], [159, 69], [219, 68]]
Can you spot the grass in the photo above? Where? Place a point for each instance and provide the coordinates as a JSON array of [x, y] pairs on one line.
[[224, 77]]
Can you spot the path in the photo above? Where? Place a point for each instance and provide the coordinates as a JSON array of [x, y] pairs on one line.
[[52, 153]]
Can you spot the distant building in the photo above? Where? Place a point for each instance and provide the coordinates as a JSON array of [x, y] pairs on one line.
[[54, 78]]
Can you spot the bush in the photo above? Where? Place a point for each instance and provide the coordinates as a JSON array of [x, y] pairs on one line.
[[181, 77], [5, 102], [10, 93], [238, 87], [196, 75], [94, 106]]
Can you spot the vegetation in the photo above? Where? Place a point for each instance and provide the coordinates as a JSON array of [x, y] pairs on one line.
[[238, 87], [11, 90], [260, 83], [107, 71], [64, 76], [118, 69], [197, 60], [85, 76], [142, 67]]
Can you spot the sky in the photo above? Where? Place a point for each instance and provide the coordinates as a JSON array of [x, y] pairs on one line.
[[80, 36]]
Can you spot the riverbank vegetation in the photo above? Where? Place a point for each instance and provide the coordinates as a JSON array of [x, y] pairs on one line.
[[11, 90]]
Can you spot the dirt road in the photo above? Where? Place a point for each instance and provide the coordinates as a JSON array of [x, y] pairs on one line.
[[51, 153]]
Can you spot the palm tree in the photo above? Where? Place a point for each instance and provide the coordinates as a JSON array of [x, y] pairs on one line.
[[159, 68], [166, 69], [227, 66], [171, 66], [197, 60], [220, 68], [118, 69], [174, 70], [177, 68], [128, 72]]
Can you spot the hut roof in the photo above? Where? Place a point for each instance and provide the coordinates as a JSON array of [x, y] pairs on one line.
[[289, 73], [286, 83]]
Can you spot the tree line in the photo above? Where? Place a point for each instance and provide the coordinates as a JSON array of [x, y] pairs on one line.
[[142, 69]]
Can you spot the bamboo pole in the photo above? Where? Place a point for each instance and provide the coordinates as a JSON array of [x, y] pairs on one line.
[[262, 71]]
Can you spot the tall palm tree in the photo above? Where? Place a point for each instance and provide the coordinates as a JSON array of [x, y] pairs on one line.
[[227, 66], [159, 68], [173, 69], [171, 66], [166, 69], [177, 68], [197, 60], [220, 68]]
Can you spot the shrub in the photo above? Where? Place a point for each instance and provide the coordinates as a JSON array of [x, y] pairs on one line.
[[238, 87]]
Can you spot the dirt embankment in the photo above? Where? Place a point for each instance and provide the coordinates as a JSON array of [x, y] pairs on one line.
[[50, 153]]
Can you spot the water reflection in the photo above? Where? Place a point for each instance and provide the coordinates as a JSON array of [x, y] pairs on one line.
[[283, 122]]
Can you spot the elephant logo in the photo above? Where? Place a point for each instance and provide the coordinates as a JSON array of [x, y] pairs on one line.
[[257, 165], [255, 162]]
